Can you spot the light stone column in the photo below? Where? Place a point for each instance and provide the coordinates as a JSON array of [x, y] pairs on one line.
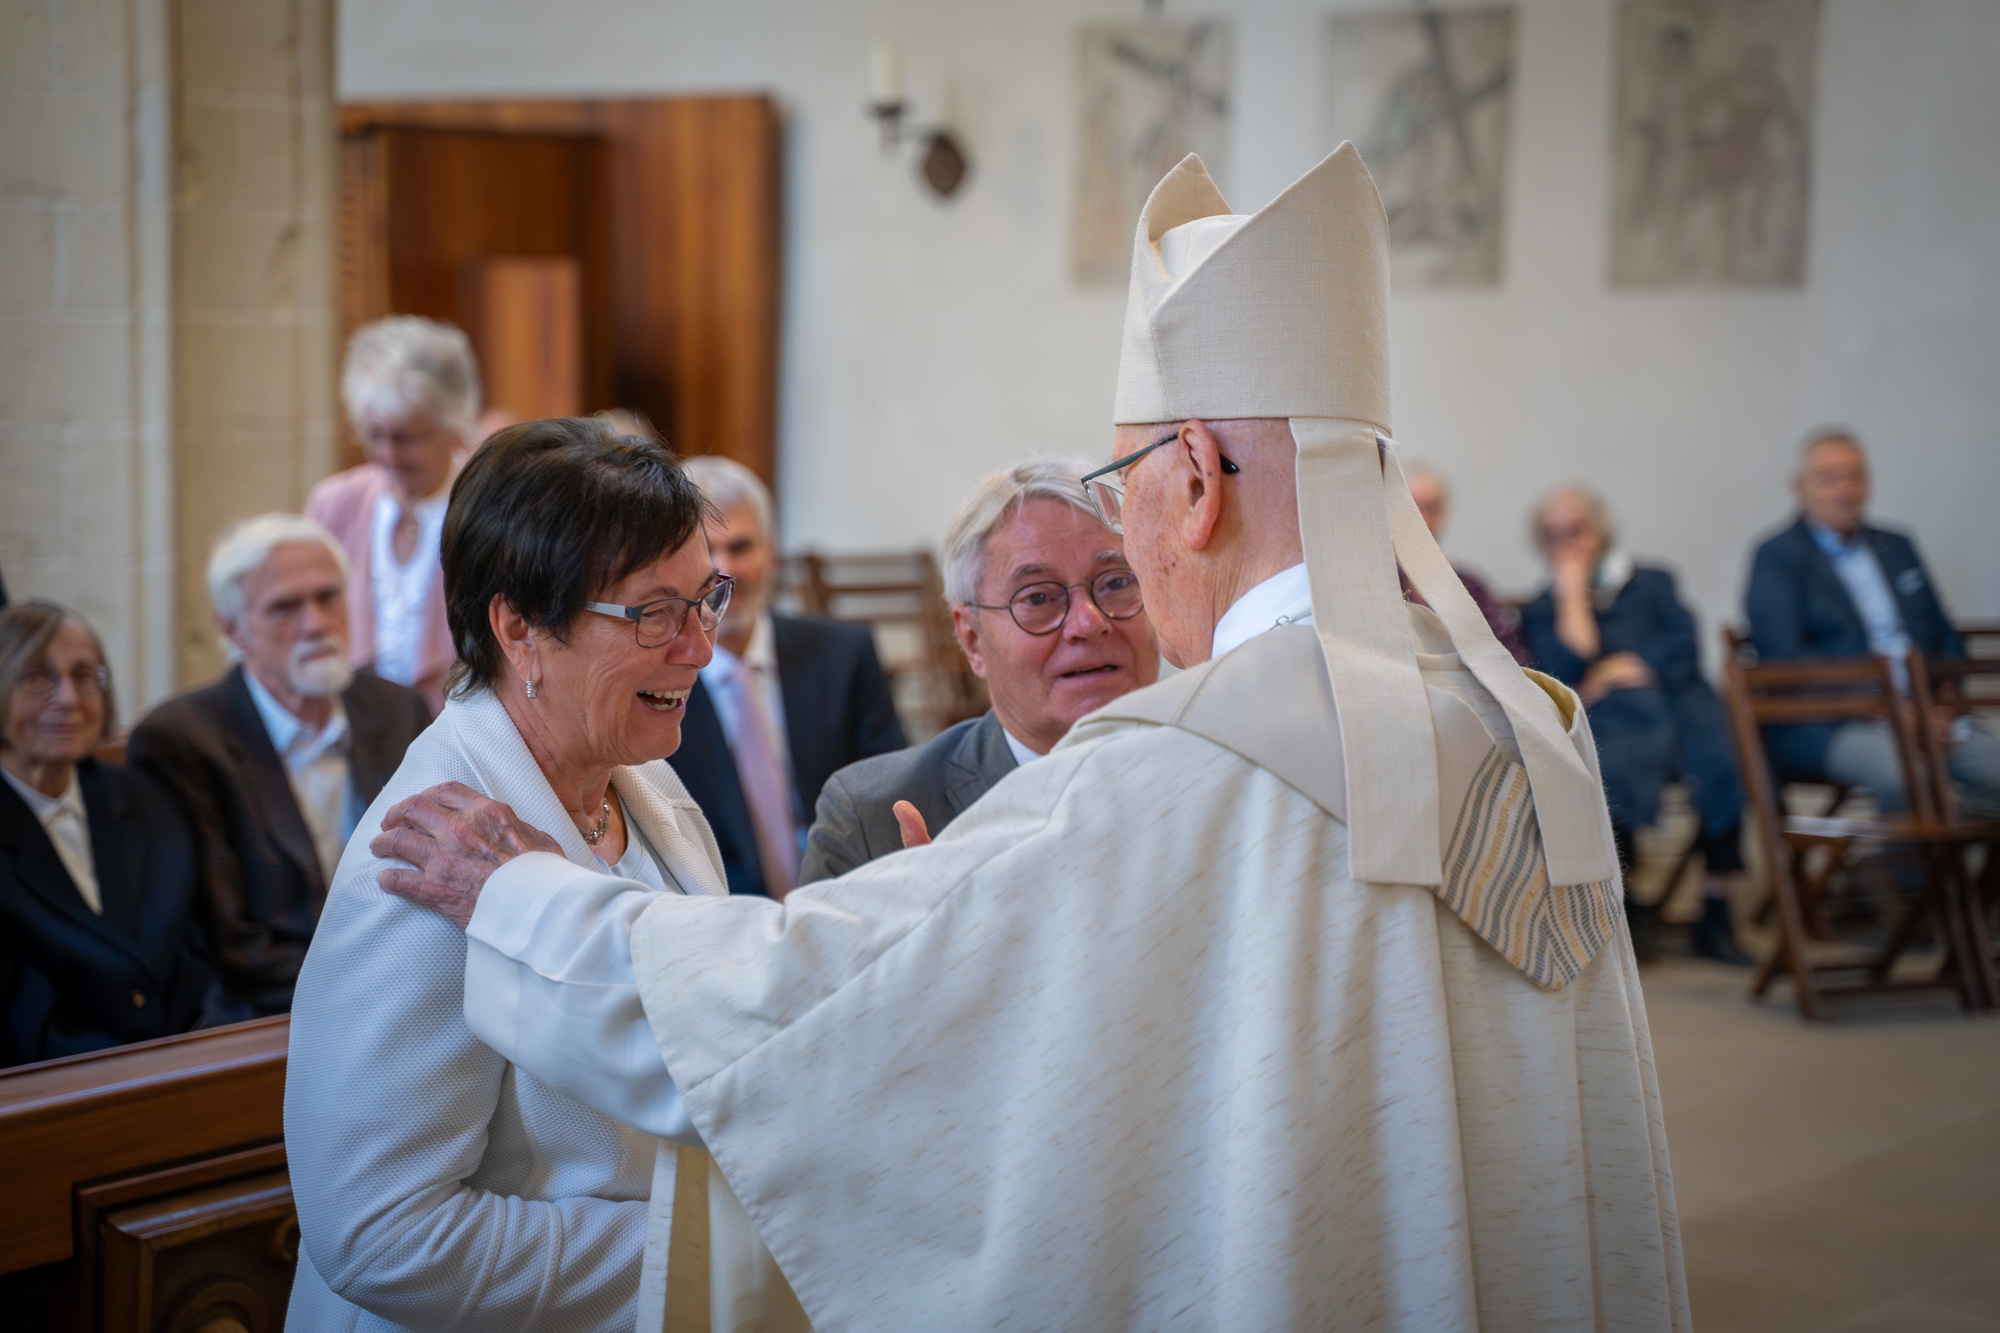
[[254, 272]]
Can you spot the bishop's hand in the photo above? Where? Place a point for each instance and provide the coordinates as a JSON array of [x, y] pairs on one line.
[[456, 838], [911, 821]]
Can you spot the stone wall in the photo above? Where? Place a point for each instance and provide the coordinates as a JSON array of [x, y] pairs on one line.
[[166, 302], [254, 301]]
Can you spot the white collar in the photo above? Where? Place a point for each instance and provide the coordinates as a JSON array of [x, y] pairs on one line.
[[1283, 599], [284, 727], [1023, 756], [761, 651], [1614, 571], [43, 806]]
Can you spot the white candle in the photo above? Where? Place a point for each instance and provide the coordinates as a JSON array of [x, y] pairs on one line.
[[885, 74]]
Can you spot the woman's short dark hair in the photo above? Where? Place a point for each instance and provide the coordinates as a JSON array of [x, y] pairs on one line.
[[26, 631], [548, 514]]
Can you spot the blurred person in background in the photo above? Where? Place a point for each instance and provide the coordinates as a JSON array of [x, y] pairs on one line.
[[276, 761], [1830, 585], [411, 389], [785, 703], [1433, 499], [1049, 615], [1615, 631], [100, 933]]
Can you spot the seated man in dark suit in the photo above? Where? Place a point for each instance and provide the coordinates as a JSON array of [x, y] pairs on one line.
[[784, 702], [1049, 616], [1832, 586], [1615, 631], [100, 927], [277, 760]]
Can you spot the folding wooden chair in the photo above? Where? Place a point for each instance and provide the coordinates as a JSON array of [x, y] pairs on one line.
[[1972, 681], [1804, 854], [899, 595]]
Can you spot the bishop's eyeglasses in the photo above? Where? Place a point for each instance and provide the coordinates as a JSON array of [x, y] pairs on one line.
[[1041, 608], [1106, 486], [660, 621]]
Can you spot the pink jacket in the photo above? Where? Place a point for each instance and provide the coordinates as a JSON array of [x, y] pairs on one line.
[[345, 503]]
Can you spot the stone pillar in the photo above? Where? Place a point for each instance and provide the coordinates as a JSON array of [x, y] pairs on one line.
[[256, 161], [84, 425], [166, 303]]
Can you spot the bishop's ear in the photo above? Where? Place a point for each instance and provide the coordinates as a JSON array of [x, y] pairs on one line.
[[1198, 480]]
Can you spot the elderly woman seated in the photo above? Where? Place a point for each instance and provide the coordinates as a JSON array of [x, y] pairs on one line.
[[100, 940], [411, 389], [1616, 632], [437, 1185]]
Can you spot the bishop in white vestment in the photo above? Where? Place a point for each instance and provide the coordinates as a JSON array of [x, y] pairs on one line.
[[1289, 993]]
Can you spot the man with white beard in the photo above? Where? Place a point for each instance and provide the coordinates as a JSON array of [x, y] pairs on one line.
[[277, 760], [1288, 993]]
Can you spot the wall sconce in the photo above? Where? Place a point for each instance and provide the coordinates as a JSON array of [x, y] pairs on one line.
[[942, 163]]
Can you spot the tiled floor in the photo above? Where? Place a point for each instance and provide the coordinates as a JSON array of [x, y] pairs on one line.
[[1836, 1176]]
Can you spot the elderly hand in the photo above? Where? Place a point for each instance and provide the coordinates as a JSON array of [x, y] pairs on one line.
[[1615, 671], [910, 823], [455, 838]]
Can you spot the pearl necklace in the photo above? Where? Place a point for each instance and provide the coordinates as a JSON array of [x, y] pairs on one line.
[[595, 834]]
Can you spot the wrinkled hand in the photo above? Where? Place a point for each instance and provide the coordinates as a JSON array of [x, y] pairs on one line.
[[455, 838], [911, 821], [1615, 671]]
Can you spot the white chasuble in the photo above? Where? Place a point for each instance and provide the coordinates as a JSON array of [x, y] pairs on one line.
[[1129, 1048]]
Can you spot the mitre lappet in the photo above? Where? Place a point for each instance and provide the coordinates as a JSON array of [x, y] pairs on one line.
[[1285, 313]]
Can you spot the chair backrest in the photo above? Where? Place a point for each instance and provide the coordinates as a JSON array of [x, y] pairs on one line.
[[1805, 691], [900, 596]]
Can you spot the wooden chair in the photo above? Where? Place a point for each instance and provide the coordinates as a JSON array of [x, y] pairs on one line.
[[900, 596], [1841, 690]]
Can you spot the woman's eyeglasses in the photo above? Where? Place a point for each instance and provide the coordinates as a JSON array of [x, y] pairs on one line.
[[659, 622], [1041, 608], [89, 682], [1106, 486]]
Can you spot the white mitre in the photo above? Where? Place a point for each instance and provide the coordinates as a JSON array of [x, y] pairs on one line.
[[1285, 313]]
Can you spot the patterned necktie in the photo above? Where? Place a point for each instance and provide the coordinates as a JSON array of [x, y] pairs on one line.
[[766, 789]]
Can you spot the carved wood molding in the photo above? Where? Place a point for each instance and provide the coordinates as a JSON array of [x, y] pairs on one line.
[[68, 1125]]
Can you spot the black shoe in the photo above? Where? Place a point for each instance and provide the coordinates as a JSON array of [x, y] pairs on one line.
[[1643, 921], [1714, 938]]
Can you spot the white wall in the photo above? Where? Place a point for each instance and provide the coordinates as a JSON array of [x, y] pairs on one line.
[[926, 343]]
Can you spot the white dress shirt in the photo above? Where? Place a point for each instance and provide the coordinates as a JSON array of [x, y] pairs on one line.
[[724, 679], [67, 823], [1023, 756], [399, 590], [1283, 599], [551, 964], [316, 763]]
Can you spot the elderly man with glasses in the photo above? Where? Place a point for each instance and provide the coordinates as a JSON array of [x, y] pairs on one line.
[[1049, 616]]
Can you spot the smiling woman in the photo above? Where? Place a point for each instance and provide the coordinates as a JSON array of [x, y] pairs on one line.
[[435, 1182]]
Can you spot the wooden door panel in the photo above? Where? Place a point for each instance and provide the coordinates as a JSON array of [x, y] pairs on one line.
[[693, 269]]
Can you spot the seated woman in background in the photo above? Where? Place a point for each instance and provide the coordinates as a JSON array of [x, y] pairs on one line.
[[1617, 633], [411, 390], [437, 1185], [99, 939]]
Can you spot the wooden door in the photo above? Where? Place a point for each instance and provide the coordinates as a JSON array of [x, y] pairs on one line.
[[430, 214], [693, 236]]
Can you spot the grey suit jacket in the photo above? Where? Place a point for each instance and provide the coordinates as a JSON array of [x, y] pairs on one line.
[[853, 824]]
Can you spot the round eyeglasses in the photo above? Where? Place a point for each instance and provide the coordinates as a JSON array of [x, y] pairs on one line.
[[88, 682], [659, 622], [1041, 608]]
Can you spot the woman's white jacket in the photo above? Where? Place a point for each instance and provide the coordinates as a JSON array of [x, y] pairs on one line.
[[438, 1186]]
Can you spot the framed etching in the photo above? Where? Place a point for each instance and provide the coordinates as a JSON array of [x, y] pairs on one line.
[[1427, 97], [1151, 93], [1712, 142]]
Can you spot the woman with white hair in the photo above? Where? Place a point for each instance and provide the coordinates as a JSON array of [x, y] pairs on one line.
[[411, 389]]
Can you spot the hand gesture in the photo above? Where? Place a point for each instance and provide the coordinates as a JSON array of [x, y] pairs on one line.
[[456, 838], [911, 821]]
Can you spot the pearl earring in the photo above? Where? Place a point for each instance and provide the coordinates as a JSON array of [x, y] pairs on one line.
[[531, 689]]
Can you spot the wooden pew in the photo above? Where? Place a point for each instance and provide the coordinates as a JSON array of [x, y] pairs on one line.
[[147, 1184]]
